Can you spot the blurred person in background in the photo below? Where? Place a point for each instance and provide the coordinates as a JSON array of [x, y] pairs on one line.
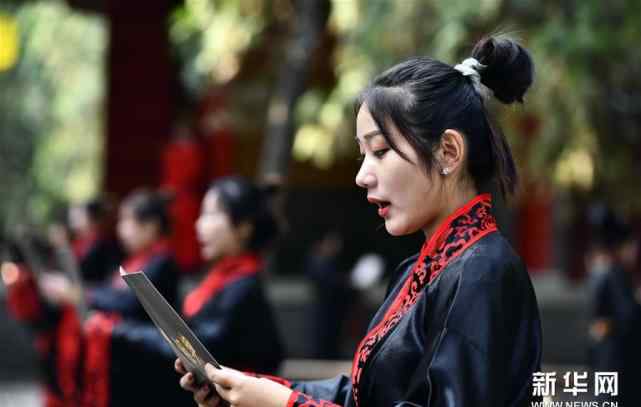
[[94, 252], [74, 347], [227, 310], [332, 294], [144, 230], [615, 320], [26, 304], [460, 324], [183, 167]]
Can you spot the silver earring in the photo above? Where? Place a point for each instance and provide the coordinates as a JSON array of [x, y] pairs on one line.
[[445, 171]]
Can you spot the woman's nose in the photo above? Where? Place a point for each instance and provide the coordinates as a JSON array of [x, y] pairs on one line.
[[365, 178]]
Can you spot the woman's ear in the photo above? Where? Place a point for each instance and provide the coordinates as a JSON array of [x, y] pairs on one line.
[[152, 229], [452, 152], [244, 231]]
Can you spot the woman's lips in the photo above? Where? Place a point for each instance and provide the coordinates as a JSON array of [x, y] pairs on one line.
[[383, 206]]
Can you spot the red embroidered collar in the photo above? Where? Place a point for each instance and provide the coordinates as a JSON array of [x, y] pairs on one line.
[[223, 273], [456, 233]]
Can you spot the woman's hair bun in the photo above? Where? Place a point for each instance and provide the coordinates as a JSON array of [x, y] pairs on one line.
[[509, 70]]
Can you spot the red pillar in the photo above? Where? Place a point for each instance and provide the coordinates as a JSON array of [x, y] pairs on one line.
[[535, 229], [139, 103]]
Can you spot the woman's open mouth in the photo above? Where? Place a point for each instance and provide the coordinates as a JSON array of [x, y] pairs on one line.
[[383, 208]]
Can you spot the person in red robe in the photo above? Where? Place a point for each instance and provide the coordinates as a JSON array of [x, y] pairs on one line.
[[182, 175], [214, 124]]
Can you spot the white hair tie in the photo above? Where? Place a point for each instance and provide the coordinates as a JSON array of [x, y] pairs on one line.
[[472, 67]]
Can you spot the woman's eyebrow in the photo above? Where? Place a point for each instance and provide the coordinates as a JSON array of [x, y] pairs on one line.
[[369, 135]]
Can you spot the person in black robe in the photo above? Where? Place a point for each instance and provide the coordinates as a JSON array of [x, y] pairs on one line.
[[26, 305], [460, 324], [228, 310], [615, 326], [96, 253], [74, 357], [332, 302], [143, 228]]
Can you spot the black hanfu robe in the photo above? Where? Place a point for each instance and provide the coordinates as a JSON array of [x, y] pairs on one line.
[[618, 350], [459, 327], [58, 331], [97, 257], [229, 313], [114, 303]]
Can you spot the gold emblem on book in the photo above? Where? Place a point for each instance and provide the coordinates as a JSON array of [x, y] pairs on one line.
[[188, 350]]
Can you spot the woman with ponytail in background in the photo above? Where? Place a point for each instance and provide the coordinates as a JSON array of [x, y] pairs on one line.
[[460, 323], [227, 310]]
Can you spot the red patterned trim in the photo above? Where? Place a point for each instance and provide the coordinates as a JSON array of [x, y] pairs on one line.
[[98, 331], [68, 343], [225, 272], [298, 399], [459, 231]]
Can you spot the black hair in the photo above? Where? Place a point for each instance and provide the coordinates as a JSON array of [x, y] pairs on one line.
[[243, 201], [608, 230], [149, 206], [13, 252], [422, 97], [96, 209]]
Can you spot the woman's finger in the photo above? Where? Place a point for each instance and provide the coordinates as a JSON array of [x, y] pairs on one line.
[[180, 368], [187, 382], [224, 377], [222, 391], [205, 395], [214, 402]]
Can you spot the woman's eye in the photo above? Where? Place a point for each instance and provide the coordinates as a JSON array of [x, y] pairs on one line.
[[380, 153]]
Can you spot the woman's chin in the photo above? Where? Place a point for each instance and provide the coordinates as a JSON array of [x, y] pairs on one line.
[[393, 229], [208, 254], [398, 228]]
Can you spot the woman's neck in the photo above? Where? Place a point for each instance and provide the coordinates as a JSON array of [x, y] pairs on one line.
[[454, 201]]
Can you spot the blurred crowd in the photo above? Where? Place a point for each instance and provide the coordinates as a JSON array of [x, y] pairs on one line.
[[206, 254]]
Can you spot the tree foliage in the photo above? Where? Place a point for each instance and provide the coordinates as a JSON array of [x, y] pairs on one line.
[[580, 130], [50, 110]]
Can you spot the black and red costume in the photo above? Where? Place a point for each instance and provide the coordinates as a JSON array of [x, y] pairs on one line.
[[459, 327], [229, 313]]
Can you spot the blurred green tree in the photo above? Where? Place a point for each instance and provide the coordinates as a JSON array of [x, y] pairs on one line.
[[50, 111]]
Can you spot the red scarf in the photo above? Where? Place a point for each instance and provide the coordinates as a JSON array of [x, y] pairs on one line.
[[81, 245], [138, 261], [459, 231], [223, 273]]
